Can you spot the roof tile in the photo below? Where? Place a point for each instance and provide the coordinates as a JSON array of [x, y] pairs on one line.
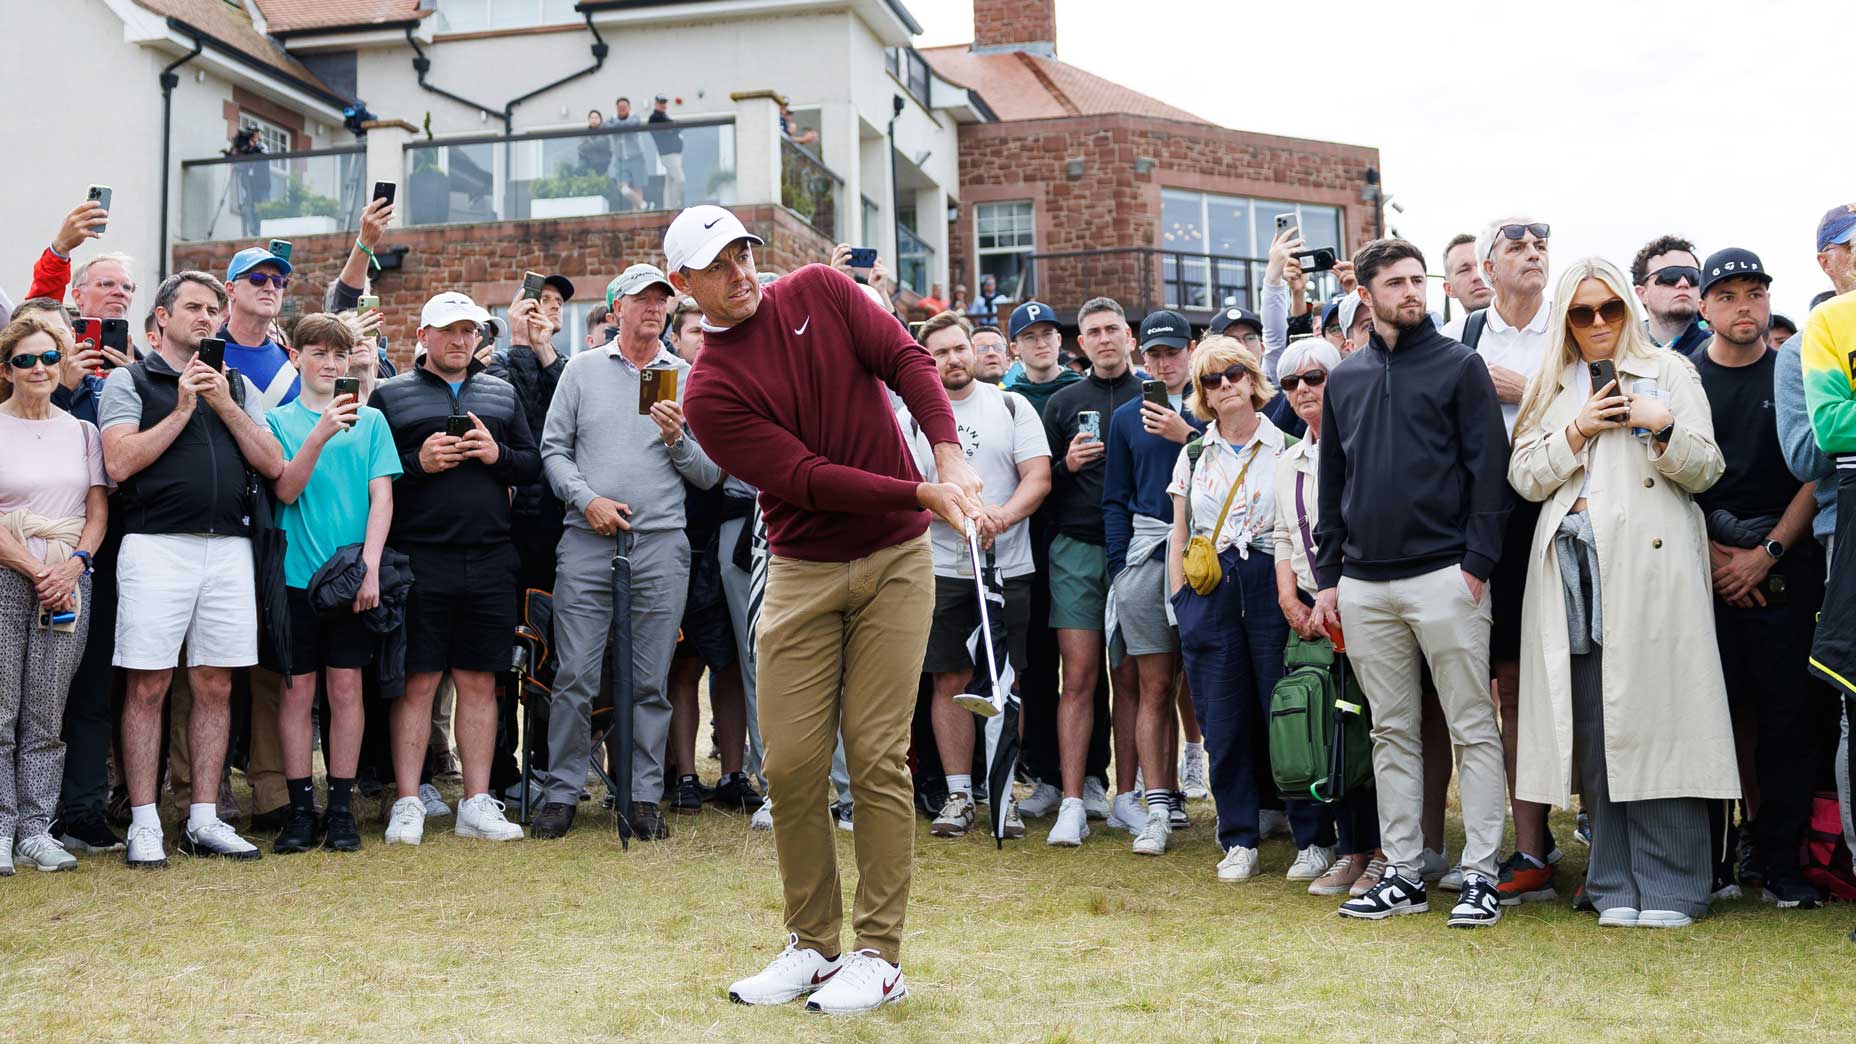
[[1020, 86]]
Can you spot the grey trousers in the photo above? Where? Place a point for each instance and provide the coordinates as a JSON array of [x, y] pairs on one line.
[[736, 583], [1646, 855], [582, 621], [1843, 774], [36, 666]]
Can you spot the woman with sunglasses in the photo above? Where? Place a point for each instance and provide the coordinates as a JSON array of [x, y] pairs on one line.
[[53, 505], [1620, 674], [1232, 638]]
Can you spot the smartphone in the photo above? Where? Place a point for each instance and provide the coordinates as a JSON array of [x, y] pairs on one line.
[[115, 338], [1089, 422], [1155, 392], [385, 190], [656, 384], [366, 304], [351, 386], [280, 249], [863, 257], [101, 194], [1284, 222], [213, 352], [458, 425], [87, 330], [531, 285], [1603, 372]]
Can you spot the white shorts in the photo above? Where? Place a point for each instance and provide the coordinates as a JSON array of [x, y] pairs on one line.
[[185, 587]]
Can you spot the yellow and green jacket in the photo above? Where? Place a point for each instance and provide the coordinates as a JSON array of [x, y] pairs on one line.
[[1829, 358]]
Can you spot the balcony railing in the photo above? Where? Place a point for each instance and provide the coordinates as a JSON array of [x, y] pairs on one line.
[[570, 173], [278, 195], [1147, 278], [809, 188]]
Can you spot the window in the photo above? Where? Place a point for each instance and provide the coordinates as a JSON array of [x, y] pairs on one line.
[[1216, 246], [469, 16], [274, 138], [1004, 235], [906, 65]]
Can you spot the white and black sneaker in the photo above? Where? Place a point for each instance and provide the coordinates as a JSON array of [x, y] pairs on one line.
[[1479, 906], [1395, 894], [215, 839]]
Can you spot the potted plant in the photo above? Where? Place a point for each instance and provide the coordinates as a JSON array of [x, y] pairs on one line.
[[569, 194], [298, 211]]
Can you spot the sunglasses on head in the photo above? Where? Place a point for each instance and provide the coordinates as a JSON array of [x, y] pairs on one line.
[[27, 362], [1313, 378], [1670, 275], [1583, 316], [1212, 381], [1540, 230], [261, 278]]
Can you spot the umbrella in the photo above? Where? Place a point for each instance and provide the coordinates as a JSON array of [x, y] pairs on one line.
[[993, 696], [268, 544], [616, 683]]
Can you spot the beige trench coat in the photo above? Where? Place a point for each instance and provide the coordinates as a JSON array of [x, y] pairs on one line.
[[1667, 732]]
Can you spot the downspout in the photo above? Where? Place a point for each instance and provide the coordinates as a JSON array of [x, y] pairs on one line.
[[895, 182], [169, 81], [422, 65]]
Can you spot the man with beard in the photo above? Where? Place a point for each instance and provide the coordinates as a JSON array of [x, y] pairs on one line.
[[1410, 530], [1668, 276]]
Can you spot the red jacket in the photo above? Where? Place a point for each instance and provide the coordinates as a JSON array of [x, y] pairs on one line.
[[51, 275]]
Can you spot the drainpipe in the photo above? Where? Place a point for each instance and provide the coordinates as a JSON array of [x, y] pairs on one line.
[[422, 65], [895, 191], [600, 50], [169, 81]]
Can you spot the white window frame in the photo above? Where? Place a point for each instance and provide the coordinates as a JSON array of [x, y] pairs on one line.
[[271, 135], [1025, 237], [1260, 238]]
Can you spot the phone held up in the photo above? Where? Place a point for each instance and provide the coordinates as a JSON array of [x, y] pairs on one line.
[[385, 190], [1284, 222], [1604, 372], [281, 248], [656, 384], [531, 286], [366, 303], [213, 353], [1155, 392], [100, 194], [1089, 422]]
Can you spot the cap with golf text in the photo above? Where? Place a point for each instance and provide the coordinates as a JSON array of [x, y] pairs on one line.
[[1165, 329], [1731, 263], [700, 233], [1233, 316], [1837, 225], [634, 280], [1028, 315], [250, 258], [448, 308]]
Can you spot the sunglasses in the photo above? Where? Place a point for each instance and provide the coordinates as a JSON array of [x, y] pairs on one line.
[[1540, 230], [1313, 378], [1609, 313], [1213, 381], [1670, 275], [261, 278], [27, 362]]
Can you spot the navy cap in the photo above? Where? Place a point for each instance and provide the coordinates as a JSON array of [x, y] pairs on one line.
[[1232, 316], [1836, 226], [562, 285], [1029, 314], [1165, 329], [1331, 312], [1731, 263]]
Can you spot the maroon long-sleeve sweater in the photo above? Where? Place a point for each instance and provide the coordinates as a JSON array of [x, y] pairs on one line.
[[792, 402]]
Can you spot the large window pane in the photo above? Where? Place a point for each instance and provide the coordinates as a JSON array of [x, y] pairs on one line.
[[1182, 221], [1267, 210], [1228, 222], [1321, 227]]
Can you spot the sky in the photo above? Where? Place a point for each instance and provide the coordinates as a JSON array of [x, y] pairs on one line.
[[1614, 121]]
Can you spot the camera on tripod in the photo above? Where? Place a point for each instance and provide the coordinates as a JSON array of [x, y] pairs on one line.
[[354, 116]]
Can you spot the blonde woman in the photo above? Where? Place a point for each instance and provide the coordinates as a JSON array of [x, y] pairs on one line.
[[1617, 463], [1232, 639]]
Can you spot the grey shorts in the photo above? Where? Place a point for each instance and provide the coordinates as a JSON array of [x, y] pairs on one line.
[[1140, 610]]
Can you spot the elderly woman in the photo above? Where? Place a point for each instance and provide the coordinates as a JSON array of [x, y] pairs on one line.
[[1617, 462], [1232, 638], [53, 499], [1303, 374]]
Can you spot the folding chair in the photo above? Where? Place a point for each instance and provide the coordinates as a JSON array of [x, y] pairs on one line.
[[532, 669]]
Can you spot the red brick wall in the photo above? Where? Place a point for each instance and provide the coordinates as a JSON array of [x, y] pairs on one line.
[[1111, 206], [1000, 23], [486, 261]]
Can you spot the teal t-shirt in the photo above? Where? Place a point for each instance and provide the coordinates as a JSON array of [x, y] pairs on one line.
[[331, 513]]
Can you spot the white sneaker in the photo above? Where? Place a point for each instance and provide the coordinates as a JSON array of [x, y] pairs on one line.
[[1192, 778], [1271, 823], [407, 825], [956, 816], [1452, 881], [1238, 864], [1127, 812], [1154, 834], [1072, 824], [1618, 917], [1663, 919], [865, 982], [42, 852], [1431, 866], [763, 816], [482, 817], [1041, 802], [1014, 823], [1095, 798], [216, 838], [434, 803], [6, 857], [143, 848], [1310, 863], [794, 973]]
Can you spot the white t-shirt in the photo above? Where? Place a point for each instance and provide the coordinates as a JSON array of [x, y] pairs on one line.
[[997, 439], [1516, 348]]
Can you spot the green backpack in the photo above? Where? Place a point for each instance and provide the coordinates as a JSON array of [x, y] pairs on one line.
[[1320, 730]]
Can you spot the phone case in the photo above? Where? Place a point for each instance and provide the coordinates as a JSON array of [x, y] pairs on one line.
[[656, 384]]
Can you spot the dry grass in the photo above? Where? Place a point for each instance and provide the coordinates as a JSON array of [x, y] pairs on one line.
[[575, 940]]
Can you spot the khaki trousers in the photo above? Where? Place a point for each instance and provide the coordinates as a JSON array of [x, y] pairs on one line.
[[264, 758], [841, 646]]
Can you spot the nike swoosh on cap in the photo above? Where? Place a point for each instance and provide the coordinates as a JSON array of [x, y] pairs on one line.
[[712, 224]]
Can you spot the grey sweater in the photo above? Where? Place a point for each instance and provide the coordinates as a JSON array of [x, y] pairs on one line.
[[597, 444]]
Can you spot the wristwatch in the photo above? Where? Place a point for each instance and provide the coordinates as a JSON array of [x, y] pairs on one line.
[[1774, 548], [1665, 432], [85, 555]]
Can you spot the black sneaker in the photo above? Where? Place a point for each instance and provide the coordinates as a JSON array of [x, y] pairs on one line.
[[1792, 892], [1479, 906], [298, 833], [340, 832], [1747, 868], [736, 793], [276, 819], [687, 801], [88, 835], [554, 820], [1395, 894], [1176, 811], [646, 823]]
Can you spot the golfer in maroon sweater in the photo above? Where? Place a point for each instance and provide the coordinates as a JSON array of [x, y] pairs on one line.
[[789, 397]]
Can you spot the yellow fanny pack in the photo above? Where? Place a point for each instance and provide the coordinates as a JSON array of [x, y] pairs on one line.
[[1203, 573]]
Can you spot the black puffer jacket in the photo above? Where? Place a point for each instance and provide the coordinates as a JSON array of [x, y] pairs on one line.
[[535, 503]]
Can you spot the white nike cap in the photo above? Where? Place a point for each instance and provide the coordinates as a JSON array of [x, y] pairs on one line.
[[700, 233], [448, 308]]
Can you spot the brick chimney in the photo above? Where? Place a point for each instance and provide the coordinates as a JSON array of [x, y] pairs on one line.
[[1015, 25]]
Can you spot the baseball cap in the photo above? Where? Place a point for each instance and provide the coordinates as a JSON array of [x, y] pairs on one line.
[[1166, 329], [1731, 263], [1027, 315], [1331, 310], [562, 285], [1836, 225], [1232, 316], [251, 257], [700, 233], [634, 280], [1346, 311], [448, 308]]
